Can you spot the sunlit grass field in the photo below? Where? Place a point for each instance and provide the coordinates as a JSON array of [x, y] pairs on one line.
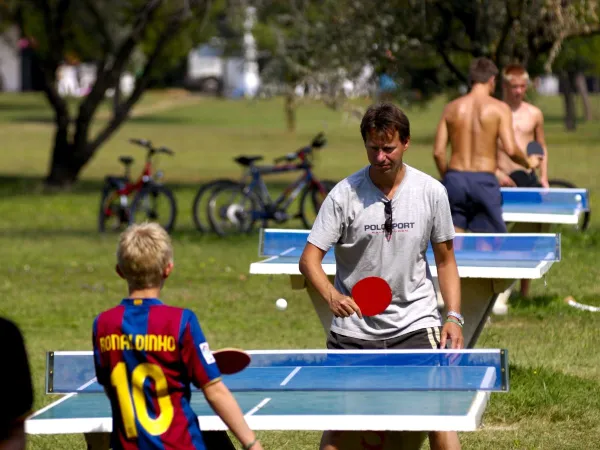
[[57, 272]]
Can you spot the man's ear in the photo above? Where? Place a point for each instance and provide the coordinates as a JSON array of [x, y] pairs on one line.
[[118, 270], [168, 270]]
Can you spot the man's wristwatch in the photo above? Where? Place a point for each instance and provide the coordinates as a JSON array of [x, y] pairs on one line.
[[457, 316]]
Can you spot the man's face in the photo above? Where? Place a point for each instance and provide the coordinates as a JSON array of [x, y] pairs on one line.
[[515, 89], [385, 151]]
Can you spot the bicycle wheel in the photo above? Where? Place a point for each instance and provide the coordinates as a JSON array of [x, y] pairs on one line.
[[199, 207], [231, 210], [112, 214], [154, 203], [567, 184], [311, 200]]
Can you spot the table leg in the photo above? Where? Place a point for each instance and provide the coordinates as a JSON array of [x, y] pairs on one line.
[[97, 441], [374, 440], [320, 305], [217, 440], [478, 297]]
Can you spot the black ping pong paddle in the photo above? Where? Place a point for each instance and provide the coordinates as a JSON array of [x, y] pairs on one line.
[[535, 148]]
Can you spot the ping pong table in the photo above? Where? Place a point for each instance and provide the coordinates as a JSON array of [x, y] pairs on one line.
[[488, 264], [395, 390], [544, 206]]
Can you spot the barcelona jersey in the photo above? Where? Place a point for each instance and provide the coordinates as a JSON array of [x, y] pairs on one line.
[[147, 355]]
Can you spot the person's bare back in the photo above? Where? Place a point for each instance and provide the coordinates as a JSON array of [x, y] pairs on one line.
[[473, 123]]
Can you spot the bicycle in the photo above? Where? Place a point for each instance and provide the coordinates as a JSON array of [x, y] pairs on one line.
[[236, 207], [152, 199]]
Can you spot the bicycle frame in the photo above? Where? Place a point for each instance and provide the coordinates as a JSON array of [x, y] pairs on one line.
[[291, 192]]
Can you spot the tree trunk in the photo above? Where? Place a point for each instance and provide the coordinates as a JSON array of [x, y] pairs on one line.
[[569, 101], [290, 110], [581, 85], [68, 157]]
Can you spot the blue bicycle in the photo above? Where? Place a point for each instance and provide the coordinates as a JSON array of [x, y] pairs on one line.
[[235, 208]]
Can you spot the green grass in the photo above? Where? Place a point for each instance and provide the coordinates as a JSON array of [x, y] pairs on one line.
[[58, 273]]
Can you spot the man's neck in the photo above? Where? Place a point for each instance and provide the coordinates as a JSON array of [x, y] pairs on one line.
[[514, 105], [389, 182], [480, 90], [144, 293]]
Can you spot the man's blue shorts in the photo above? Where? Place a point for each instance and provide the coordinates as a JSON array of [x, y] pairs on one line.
[[475, 201]]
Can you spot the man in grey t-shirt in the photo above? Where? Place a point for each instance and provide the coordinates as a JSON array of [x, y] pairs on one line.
[[380, 221]]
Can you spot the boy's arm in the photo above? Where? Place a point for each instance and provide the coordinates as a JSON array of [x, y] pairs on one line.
[[541, 138], [227, 408], [203, 371]]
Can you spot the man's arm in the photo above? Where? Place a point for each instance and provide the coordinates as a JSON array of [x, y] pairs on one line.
[[311, 267], [540, 136], [507, 137], [439, 147], [449, 281]]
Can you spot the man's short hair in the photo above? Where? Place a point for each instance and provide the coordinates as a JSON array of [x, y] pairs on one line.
[[387, 118], [143, 253], [481, 70], [512, 71]]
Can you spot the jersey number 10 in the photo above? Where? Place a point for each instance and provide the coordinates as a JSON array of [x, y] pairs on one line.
[[138, 408]]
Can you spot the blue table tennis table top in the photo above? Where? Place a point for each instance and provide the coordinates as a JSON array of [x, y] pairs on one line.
[[318, 390], [540, 205], [505, 255]]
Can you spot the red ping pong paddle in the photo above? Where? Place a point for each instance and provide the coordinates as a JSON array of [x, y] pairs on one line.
[[231, 360], [372, 295]]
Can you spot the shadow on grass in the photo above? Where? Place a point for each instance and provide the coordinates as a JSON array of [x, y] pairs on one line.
[[535, 302], [16, 185], [20, 106]]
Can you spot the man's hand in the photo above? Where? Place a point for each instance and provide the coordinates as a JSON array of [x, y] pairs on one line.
[[505, 180], [343, 306], [534, 161], [453, 332]]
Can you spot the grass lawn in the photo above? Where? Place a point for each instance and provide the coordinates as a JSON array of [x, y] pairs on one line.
[[57, 271]]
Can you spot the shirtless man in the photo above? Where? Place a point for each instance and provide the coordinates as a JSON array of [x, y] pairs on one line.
[[528, 125], [473, 124]]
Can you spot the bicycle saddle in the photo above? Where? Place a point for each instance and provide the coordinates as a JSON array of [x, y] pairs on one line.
[[126, 160], [247, 160]]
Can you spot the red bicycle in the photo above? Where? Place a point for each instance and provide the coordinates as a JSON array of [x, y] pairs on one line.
[[152, 201]]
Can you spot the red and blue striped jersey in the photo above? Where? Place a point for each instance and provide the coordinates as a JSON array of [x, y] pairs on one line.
[[147, 355]]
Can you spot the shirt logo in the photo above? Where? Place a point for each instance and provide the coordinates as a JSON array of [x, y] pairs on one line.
[[205, 350], [138, 301], [396, 227]]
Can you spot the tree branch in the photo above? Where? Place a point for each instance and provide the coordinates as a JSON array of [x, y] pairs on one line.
[[461, 76], [108, 42], [141, 83], [108, 77]]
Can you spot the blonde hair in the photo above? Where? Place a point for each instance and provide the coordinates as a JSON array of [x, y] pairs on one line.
[[143, 253], [513, 71]]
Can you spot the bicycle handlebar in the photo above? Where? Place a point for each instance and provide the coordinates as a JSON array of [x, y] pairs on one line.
[[317, 142], [148, 145]]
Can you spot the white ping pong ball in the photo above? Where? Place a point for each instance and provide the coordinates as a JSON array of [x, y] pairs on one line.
[[578, 197], [281, 304]]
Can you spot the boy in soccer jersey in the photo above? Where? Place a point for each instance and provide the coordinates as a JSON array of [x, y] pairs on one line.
[[148, 354]]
